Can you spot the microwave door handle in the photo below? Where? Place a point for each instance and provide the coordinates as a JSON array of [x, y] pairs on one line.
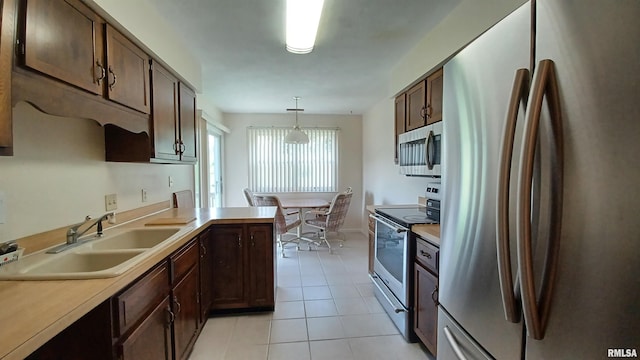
[[430, 148], [519, 96], [536, 312]]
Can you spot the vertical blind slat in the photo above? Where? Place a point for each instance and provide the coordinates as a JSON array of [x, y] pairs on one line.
[[278, 167]]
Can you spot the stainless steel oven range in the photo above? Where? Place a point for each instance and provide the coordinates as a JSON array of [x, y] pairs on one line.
[[393, 267]]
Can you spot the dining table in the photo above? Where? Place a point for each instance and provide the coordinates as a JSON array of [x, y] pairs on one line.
[[300, 204]]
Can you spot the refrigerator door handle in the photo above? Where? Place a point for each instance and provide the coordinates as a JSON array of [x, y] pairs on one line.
[[454, 344], [536, 312], [519, 96]]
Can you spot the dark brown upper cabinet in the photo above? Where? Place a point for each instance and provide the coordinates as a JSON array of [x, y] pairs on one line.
[[7, 33], [164, 114], [401, 118], [188, 151], [64, 39], [415, 106], [174, 118], [127, 72], [433, 111]]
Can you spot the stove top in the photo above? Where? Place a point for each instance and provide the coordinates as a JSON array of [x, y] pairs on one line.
[[406, 216]]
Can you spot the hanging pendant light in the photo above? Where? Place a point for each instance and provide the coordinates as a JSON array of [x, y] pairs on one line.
[[296, 136]]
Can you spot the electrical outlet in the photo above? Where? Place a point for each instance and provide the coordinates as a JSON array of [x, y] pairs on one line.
[[144, 195], [111, 202], [170, 181]]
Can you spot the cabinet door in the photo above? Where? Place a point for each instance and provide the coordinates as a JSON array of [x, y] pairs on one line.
[[164, 108], [205, 276], [261, 249], [227, 290], [426, 307], [127, 72], [7, 41], [187, 313], [416, 97], [152, 339], [63, 39], [400, 117], [187, 124], [132, 304], [434, 97]]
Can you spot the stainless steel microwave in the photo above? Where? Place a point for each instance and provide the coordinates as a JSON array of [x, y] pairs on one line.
[[420, 151]]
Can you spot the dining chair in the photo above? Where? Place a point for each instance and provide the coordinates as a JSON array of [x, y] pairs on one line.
[[329, 221], [248, 194], [183, 199], [284, 224]]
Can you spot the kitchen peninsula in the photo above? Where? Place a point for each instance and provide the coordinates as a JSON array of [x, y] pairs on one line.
[[36, 311]]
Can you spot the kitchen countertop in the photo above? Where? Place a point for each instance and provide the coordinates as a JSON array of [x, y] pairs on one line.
[[429, 232], [32, 312]]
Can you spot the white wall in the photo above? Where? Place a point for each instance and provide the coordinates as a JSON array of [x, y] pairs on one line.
[[350, 157], [382, 182], [462, 25], [58, 175]]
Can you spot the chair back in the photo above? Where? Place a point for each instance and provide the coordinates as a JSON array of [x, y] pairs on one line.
[[267, 200], [248, 194], [183, 199], [338, 211]]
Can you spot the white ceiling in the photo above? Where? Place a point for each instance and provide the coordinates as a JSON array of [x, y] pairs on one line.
[[246, 69]]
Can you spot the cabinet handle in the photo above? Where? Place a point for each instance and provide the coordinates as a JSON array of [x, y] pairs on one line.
[[171, 316], [204, 249], [423, 113], [175, 300], [177, 147], [239, 240], [115, 79], [434, 295], [429, 111], [424, 253], [253, 243], [183, 147], [103, 72]]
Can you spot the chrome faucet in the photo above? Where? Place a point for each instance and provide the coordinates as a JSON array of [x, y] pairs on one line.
[[73, 234]]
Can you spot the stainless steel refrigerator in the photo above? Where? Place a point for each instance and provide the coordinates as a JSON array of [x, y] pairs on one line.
[[540, 224]]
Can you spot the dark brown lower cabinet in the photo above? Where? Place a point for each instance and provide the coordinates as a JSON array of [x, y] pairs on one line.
[[426, 307], [151, 340], [81, 338], [243, 267], [206, 279], [160, 314], [187, 314]]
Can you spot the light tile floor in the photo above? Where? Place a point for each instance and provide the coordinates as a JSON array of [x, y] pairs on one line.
[[325, 309]]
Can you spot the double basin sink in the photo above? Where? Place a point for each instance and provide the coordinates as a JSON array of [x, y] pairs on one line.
[[107, 256]]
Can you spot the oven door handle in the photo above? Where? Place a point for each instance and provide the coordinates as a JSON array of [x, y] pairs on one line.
[[396, 227]]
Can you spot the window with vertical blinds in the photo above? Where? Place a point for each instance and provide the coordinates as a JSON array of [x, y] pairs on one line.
[[278, 167]]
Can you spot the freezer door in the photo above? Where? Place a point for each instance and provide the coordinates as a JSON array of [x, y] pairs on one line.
[[454, 343], [477, 89], [595, 48]]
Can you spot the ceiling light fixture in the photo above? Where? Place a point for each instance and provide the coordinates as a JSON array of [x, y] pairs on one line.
[[303, 17], [296, 136]]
